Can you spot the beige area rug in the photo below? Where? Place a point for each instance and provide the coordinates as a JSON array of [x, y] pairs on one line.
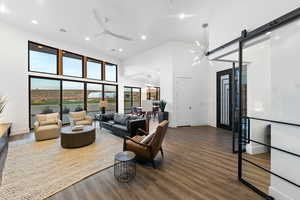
[[37, 170]]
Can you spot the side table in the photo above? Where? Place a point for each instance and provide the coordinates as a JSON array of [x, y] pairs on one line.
[[125, 167]]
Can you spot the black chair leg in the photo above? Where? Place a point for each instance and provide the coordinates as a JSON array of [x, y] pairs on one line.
[[162, 152]]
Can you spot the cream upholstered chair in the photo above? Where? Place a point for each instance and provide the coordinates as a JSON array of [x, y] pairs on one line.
[[80, 118], [47, 126]]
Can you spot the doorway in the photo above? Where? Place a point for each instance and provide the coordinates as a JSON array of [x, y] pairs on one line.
[[224, 99]]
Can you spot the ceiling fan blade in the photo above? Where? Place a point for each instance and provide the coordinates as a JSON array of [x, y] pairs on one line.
[[122, 37], [98, 18]]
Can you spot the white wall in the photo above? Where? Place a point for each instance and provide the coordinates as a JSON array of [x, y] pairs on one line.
[[173, 60], [14, 71], [230, 17]]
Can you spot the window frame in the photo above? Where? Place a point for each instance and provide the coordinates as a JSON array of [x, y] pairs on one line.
[[61, 93], [104, 74], [131, 94], [82, 65], [86, 68], [157, 93], [57, 58]]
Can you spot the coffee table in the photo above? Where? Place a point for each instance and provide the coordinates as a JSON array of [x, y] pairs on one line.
[[75, 139]]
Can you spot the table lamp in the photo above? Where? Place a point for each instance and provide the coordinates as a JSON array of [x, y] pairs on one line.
[[103, 105]]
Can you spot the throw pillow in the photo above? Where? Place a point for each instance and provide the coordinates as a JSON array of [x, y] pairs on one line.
[[120, 119], [148, 138]]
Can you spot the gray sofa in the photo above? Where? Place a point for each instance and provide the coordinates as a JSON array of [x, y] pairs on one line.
[[122, 125]]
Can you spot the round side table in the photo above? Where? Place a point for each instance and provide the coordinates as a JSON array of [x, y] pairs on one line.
[[124, 167]]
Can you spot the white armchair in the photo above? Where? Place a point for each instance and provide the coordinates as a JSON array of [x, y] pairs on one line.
[[80, 118], [47, 126]]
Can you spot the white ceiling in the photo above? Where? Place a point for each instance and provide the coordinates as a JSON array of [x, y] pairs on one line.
[[158, 19]]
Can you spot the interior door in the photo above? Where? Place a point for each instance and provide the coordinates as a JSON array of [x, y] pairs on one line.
[[184, 94], [224, 99]]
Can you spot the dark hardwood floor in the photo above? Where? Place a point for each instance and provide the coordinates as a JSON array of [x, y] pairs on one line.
[[198, 164]]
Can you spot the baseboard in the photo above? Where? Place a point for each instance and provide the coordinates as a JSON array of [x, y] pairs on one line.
[[255, 149], [276, 194], [19, 131]]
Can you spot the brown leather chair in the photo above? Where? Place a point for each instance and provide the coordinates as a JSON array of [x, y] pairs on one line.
[[147, 151]]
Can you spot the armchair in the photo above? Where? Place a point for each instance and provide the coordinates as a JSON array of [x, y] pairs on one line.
[[147, 150], [80, 118], [47, 126]]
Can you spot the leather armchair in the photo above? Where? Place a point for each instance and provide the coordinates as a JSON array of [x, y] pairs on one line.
[[147, 151], [47, 126], [80, 118]]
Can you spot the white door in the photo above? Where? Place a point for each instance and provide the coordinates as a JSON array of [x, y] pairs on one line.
[[184, 91]]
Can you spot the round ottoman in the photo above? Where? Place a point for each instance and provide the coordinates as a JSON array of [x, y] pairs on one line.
[[74, 139]]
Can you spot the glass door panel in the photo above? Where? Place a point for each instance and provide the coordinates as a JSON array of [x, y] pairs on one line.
[[110, 95], [44, 97], [94, 95], [73, 98], [127, 100]]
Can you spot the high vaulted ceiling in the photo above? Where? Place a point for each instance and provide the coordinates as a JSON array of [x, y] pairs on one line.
[[157, 19]]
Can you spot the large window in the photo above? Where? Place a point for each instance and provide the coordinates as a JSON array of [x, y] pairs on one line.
[[72, 64], [42, 58], [110, 95], [94, 95], [153, 93], [73, 98], [94, 69], [44, 97], [132, 98], [49, 95], [110, 72]]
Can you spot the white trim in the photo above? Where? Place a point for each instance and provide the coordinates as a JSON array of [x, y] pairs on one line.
[[255, 149], [278, 195], [19, 131]]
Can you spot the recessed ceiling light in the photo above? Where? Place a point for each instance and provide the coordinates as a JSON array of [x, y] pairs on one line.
[[3, 9], [34, 21], [144, 37], [87, 39], [40, 47], [269, 33], [277, 37], [120, 49], [181, 16]]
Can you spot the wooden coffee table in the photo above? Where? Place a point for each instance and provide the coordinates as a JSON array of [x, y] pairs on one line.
[[75, 139]]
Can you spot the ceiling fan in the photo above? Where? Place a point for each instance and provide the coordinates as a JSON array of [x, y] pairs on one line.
[[104, 20]]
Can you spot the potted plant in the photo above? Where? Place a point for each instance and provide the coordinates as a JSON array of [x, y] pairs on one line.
[[162, 115]]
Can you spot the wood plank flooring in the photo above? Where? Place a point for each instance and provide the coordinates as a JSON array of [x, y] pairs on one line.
[[198, 164]]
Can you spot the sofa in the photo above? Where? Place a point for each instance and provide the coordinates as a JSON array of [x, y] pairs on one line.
[[80, 118], [47, 126], [122, 125]]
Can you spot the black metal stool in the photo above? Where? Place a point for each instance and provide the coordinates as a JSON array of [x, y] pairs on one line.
[[124, 167]]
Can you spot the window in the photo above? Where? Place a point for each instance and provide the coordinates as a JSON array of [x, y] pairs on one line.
[[94, 95], [153, 93], [42, 59], [132, 98], [110, 95], [94, 69], [72, 64], [49, 95], [44, 97], [110, 72], [73, 98], [127, 100]]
